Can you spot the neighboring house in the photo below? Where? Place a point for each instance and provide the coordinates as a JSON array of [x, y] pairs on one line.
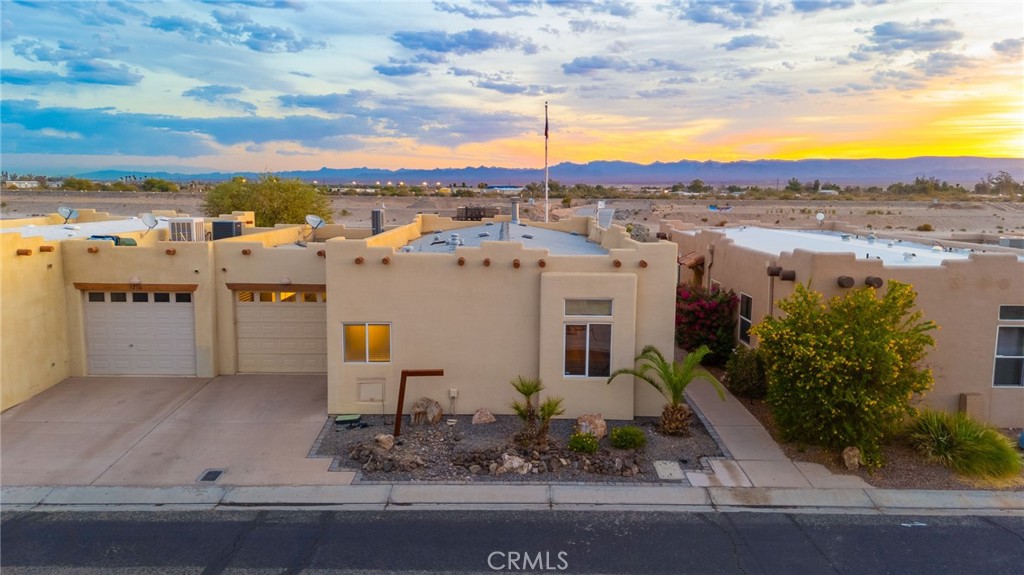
[[974, 292], [568, 302], [22, 184]]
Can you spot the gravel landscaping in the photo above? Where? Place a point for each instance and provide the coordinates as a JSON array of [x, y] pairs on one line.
[[484, 452]]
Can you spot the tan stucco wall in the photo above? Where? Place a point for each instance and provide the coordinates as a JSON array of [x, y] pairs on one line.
[[962, 297], [192, 263], [485, 325], [34, 353]]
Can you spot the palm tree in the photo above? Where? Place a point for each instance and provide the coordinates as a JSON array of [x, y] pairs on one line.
[[526, 410], [671, 380], [548, 410]]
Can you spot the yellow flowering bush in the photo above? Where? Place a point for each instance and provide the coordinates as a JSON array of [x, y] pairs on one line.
[[842, 372]]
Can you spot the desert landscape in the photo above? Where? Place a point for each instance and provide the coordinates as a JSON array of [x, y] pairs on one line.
[[905, 217]]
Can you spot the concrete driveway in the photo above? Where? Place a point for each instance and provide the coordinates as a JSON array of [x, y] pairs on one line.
[[167, 431]]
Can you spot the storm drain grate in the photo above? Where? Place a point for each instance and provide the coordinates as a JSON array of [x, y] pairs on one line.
[[210, 475]]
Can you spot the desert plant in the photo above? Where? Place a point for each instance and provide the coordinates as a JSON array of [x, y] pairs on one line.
[[744, 373], [582, 443], [528, 387], [964, 445], [843, 374], [925, 228], [671, 379], [549, 409], [706, 317], [628, 437]]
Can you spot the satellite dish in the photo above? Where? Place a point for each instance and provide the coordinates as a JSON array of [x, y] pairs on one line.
[[820, 217], [314, 221], [150, 221], [67, 213]]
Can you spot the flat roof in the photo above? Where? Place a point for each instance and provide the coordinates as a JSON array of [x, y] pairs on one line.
[[557, 243], [891, 252], [85, 229]]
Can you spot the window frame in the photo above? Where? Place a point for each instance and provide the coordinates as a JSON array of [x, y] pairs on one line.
[[997, 357], [740, 332], [366, 342], [586, 349], [610, 302]]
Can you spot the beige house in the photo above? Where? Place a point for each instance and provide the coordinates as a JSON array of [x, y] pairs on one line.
[[484, 301], [974, 292]]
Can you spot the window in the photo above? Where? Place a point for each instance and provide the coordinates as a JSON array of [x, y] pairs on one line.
[[162, 297], [1009, 368], [245, 296], [600, 307], [97, 296], [367, 342], [140, 297], [268, 296], [287, 296], [309, 297], [182, 297], [118, 296], [1011, 312], [745, 304], [588, 349]]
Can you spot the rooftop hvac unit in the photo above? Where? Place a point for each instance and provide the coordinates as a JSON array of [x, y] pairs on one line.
[[187, 229], [226, 229]]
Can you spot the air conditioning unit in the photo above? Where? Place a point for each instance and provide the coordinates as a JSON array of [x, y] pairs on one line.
[[226, 229], [187, 229]]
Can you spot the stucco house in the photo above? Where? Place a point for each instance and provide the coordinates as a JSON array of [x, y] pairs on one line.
[[973, 291], [484, 301]]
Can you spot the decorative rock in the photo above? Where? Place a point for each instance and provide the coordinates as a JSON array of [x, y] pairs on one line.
[[385, 441], [592, 423], [492, 467], [426, 410], [483, 416], [513, 462], [474, 469], [851, 457]]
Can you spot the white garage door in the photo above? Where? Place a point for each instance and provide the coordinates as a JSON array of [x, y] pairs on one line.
[[281, 331], [140, 333]]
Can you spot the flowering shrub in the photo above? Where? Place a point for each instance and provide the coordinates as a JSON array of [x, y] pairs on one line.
[[843, 374], [706, 317]]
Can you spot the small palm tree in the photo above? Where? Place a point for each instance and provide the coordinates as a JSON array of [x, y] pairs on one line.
[[671, 380], [528, 387], [549, 409]]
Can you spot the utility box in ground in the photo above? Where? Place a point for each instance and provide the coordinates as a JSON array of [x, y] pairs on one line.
[[973, 404]]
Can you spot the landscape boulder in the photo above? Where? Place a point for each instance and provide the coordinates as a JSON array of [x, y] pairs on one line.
[[851, 457], [592, 423], [385, 441], [483, 416], [425, 411]]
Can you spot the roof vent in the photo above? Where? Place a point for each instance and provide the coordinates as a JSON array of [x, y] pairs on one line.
[[484, 234], [846, 237], [528, 236]]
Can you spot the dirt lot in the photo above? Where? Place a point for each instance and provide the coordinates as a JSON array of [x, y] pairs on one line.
[[351, 210]]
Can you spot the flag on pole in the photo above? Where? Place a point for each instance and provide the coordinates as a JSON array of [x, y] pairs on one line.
[[545, 120]]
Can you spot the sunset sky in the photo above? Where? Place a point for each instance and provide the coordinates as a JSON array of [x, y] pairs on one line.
[[271, 85]]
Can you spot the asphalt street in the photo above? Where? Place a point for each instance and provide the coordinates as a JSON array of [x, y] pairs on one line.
[[249, 541]]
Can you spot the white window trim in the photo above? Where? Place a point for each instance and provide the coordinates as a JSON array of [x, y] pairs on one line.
[[739, 322], [586, 357], [366, 342], [996, 357]]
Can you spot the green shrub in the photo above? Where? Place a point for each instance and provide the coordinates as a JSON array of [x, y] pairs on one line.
[[583, 443], [629, 437], [964, 445], [706, 317], [843, 374], [744, 373]]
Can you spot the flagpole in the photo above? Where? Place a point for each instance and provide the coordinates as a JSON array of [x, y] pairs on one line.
[[547, 208]]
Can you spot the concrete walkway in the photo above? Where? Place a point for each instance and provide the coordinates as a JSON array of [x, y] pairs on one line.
[[753, 459]]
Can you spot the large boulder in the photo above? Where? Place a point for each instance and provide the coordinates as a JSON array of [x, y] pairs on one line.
[[592, 423], [483, 416], [385, 441], [426, 410]]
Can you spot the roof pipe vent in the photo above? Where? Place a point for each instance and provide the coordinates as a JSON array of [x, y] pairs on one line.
[[515, 210]]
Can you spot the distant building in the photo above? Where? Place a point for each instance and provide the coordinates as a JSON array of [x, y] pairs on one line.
[[22, 184]]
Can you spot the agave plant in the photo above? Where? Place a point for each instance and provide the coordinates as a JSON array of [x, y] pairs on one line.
[[528, 387], [671, 379]]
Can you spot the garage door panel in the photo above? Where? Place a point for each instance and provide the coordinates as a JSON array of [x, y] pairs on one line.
[[140, 338], [281, 337]]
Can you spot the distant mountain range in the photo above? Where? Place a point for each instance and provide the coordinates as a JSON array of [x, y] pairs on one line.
[[963, 170]]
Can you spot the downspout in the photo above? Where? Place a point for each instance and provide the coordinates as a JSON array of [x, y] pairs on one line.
[[711, 262]]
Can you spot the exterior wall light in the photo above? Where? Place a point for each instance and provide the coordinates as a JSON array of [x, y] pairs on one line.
[[845, 281]]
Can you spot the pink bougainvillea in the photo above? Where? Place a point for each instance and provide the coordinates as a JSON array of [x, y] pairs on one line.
[[706, 317]]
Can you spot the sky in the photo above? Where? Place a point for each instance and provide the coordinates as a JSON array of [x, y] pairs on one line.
[[276, 85]]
